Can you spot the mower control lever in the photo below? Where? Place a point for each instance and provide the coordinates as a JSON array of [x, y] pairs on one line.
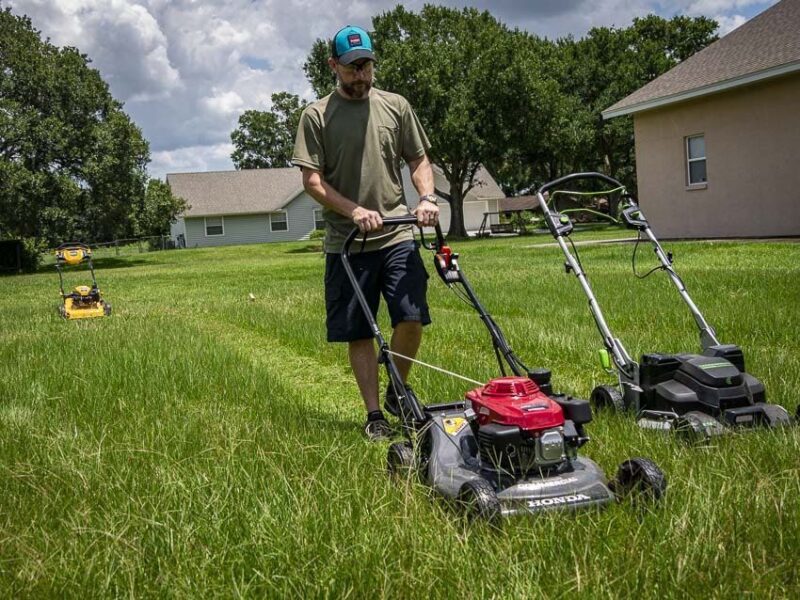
[[559, 224], [633, 217]]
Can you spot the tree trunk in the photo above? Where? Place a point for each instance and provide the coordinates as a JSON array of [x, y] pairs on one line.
[[457, 229]]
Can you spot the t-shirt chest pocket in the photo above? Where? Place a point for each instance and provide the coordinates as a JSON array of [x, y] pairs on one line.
[[389, 140]]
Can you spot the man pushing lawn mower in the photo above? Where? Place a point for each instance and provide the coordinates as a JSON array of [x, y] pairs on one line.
[[349, 146]]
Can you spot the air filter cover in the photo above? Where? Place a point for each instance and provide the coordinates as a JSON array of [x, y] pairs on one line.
[[515, 401]]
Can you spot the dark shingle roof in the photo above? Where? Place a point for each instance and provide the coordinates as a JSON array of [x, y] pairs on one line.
[[253, 191], [248, 191], [765, 46]]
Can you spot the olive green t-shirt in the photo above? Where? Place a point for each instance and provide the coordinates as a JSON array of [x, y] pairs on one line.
[[357, 146]]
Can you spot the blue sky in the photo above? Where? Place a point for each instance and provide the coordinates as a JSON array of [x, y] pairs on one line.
[[186, 69]]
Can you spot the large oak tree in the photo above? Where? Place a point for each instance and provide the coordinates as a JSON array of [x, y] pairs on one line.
[[72, 163]]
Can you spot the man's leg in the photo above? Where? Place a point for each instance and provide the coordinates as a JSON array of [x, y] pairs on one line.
[[404, 288], [364, 362], [405, 340]]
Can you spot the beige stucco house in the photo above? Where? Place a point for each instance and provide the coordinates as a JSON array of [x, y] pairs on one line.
[[718, 136]]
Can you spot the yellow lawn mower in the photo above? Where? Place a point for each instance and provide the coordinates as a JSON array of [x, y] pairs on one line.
[[83, 302]]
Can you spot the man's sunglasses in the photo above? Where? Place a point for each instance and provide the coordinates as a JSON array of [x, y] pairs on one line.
[[353, 68]]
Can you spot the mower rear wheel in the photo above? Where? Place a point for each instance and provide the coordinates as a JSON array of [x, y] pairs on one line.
[[607, 397], [479, 501], [777, 415], [107, 308], [639, 479], [400, 459]]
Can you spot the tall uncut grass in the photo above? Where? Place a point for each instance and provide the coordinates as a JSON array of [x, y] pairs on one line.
[[198, 444]]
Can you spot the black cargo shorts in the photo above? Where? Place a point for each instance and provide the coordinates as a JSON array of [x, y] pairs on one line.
[[395, 272]]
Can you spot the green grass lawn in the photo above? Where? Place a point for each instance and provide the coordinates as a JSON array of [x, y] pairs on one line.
[[199, 444]]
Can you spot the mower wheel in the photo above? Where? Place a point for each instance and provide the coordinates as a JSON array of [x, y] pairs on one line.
[[62, 312], [107, 308], [639, 479], [607, 397], [479, 501], [400, 459], [777, 416]]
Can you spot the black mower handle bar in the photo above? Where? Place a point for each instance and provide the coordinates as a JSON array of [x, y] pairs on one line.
[[576, 176], [404, 220]]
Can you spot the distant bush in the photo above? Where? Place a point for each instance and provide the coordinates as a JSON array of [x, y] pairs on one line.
[[32, 254], [20, 255]]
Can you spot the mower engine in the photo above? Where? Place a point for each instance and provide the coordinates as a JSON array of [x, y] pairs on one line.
[[83, 295], [520, 429]]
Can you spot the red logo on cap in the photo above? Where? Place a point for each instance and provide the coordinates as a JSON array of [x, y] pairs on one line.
[[354, 39]]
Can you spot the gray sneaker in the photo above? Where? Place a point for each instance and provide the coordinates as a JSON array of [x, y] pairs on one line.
[[378, 431]]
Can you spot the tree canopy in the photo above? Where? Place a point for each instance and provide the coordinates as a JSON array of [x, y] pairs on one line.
[[608, 65], [317, 71], [477, 86], [72, 163], [159, 209], [265, 139]]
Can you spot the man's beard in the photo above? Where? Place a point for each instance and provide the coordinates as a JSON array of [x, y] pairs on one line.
[[356, 90]]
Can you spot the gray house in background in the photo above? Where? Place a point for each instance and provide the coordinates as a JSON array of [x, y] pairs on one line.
[[243, 207], [717, 136], [253, 206]]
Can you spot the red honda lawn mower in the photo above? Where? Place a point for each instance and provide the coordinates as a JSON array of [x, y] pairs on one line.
[[509, 446]]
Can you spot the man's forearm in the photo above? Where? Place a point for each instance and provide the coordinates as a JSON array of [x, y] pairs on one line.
[[325, 194], [322, 192], [422, 176]]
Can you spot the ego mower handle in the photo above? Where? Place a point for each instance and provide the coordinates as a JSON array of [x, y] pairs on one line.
[[560, 227], [578, 176]]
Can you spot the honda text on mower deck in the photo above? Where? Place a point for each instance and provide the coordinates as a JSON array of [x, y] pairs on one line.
[[84, 301], [699, 395], [511, 447]]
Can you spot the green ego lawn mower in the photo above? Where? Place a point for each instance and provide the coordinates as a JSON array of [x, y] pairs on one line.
[[697, 395], [510, 446]]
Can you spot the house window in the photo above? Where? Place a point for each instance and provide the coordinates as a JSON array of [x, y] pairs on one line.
[[215, 226], [278, 221], [696, 159], [319, 222]]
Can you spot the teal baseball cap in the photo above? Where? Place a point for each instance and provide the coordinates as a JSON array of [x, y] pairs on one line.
[[351, 43]]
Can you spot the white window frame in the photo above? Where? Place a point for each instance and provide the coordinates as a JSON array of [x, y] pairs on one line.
[[221, 222], [690, 160], [314, 216], [277, 212]]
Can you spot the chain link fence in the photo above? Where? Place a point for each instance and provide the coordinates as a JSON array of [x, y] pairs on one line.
[[121, 247], [129, 246]]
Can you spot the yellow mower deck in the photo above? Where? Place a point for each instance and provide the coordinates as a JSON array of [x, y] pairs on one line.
[[72, 309]]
